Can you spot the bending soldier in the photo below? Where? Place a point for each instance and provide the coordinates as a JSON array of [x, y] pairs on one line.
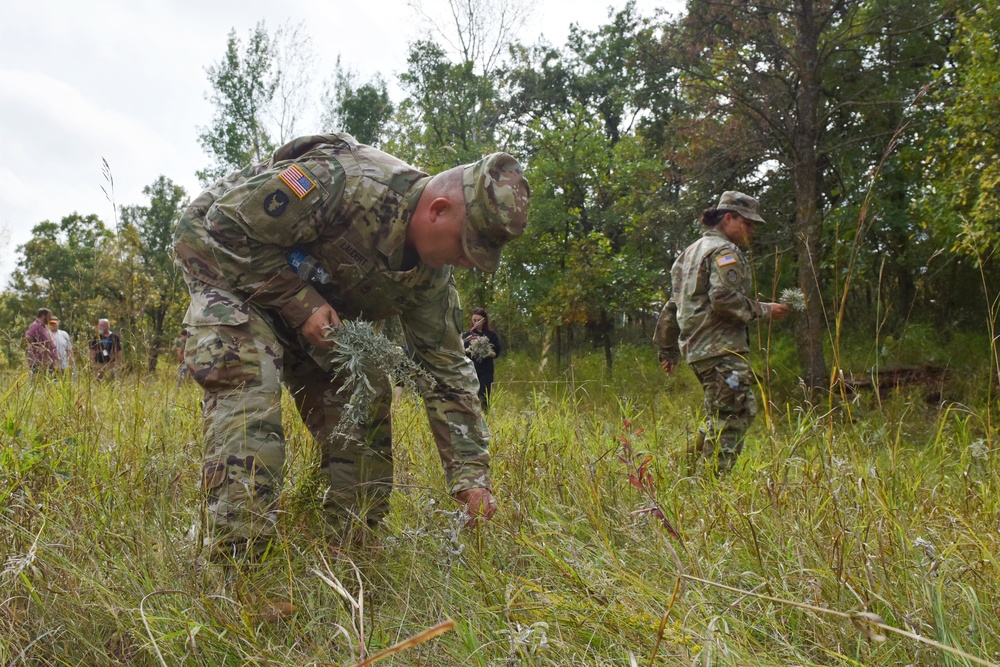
[[277, 254]]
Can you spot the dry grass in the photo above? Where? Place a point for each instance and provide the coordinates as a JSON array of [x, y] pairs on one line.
[[830, 529]]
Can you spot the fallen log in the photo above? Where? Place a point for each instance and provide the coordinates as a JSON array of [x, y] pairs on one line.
[[886, 379]]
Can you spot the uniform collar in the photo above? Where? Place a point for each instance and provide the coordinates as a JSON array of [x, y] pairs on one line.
[[391, 245]]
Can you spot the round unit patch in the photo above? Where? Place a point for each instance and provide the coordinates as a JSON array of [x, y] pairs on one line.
[[732, 276], [275, 203]]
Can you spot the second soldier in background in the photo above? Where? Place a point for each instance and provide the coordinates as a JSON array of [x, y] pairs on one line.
[[705, 322]]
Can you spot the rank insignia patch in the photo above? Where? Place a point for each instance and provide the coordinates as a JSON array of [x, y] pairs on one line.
[[725, 260], [296, 179]]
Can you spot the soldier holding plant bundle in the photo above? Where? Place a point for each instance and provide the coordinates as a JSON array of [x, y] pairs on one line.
[[705, 322], [275, 257], [482, 344]]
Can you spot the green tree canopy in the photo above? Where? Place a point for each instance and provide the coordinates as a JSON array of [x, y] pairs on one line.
[[243, 86], [363, 110], [154, 228], [795, 101], [961, 200]]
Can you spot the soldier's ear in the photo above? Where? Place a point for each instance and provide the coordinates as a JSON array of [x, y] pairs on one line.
[[439, 206]]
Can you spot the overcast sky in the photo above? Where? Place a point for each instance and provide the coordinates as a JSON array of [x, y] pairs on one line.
[[124, 80]]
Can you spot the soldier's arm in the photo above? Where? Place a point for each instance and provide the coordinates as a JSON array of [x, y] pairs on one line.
[[433, 335], [257, 224], [667, 334], [726, 273]]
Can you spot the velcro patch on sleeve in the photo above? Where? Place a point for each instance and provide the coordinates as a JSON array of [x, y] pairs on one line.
[[725, 260]]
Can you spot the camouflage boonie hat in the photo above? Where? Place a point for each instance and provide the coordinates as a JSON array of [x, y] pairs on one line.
[[496, 205], [739, 203]]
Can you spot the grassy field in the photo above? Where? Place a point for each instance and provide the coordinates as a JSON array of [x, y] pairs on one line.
[[865, 534]]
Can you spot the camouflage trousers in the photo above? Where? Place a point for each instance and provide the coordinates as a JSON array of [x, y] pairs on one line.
[[241, 369], [730, 408]]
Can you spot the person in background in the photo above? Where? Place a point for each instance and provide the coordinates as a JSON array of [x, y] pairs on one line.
[[105, 349], [64, 346], [42, 354], [706, 321], [482, 345]]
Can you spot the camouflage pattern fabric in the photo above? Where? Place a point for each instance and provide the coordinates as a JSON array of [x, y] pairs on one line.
[[496, 203], [730, 408], [740, 204], [348, 206], [708, 310], [705, 323]]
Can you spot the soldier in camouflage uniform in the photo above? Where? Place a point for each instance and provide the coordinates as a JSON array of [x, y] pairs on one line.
[[705, 322], [277, 254]]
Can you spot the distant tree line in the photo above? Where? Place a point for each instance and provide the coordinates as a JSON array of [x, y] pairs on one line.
[[868, 129]]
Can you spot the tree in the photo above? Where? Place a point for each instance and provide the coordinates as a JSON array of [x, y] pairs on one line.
[[782, 95], [452, 109], [154, 226], [293, 63], [479, 32], [243, 87], [961, 200], [362, 110], [59, 266], [593, 254], [452, 114]]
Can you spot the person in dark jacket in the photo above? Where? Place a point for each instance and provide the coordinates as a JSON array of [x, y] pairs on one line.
[[482, 345]]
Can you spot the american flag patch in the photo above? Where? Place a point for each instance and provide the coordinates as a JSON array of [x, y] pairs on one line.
[[297, 181], [726, 260]]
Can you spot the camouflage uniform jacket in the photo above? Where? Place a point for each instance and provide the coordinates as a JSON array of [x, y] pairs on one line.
[[708, 310], [347, 205]]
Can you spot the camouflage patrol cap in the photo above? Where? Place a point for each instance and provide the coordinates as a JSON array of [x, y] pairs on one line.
[[741, 204], [496, 205]]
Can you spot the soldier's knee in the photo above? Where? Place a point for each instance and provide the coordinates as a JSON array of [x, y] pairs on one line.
[[224, 357]]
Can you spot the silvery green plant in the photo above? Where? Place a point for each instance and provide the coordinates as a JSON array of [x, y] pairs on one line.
[[793, 298], [361, 353], [480, 348]]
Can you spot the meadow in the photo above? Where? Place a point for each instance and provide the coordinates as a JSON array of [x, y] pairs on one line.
[[863, 531]]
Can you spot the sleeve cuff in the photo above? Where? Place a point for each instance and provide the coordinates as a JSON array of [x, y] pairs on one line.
[[469, 476], [298, 309]]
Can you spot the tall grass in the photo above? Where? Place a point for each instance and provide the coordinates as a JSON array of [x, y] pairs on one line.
[[830, 528]]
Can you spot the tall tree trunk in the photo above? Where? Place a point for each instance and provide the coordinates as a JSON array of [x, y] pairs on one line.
[[606, 338], [808, 221], [158, 316]]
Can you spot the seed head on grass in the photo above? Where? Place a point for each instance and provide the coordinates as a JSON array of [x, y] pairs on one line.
[[360, 353], [793, 298]]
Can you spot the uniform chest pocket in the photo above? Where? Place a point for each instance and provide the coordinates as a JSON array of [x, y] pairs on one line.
[[346, 289]]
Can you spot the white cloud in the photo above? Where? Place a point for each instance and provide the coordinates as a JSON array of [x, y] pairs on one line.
[[125, 80]]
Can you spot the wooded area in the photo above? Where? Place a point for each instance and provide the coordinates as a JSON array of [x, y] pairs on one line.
[[868, 129]]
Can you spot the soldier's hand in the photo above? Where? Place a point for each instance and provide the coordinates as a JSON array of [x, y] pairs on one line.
[[478, 503], [777, 311], [315, 328], [668, 366]]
